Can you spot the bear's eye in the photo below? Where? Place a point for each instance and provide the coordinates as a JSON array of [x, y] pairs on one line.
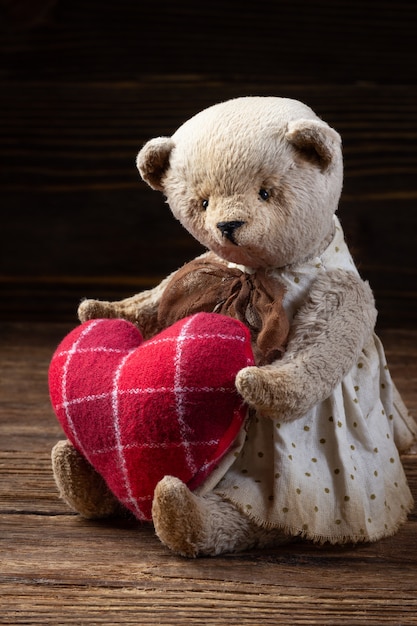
[[204, 204], [264, 194]]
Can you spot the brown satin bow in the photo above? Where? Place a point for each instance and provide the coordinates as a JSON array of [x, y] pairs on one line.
[[207, 285]]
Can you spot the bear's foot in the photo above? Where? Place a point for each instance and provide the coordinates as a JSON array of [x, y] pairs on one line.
[[79, 485], [191, 525]]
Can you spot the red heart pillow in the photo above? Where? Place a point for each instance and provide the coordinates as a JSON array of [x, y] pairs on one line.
[[138, 411]]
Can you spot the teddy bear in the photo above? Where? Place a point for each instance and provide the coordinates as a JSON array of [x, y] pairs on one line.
[[257, 181]]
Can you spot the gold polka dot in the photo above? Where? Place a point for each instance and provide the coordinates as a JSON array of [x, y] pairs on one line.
[[337, 248], [285, 510], [316, 508], [270, 498], [298, 491], [373, 496], [396, 484], [338, 521], [376, 450], [352, 477], [392, 460], [322, 441], [236, 454], [235, 487], [305, 526], [277, 475], [249, 506], [258, 481], [337, 471], [390, 417], [290, 457], [244, 471], [383, 412], [307, 428], [278, 425], [296, 279], [360, 365], [352, 447], [308, 474], [356, 387], [370, 520], [382, 385], [260, 454], [339, 423], [346, 498], [314, 460], [326, 490], [331, 418], [355, 400], [355, 424], [293, 445], [375, 473], [388, 437]]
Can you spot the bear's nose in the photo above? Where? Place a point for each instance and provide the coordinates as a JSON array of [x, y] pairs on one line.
[[227, 229]]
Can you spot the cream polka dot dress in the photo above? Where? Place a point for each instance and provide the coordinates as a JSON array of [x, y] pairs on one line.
[[335, 474]]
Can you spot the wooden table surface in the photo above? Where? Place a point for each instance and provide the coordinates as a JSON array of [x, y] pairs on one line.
[[56, 568]]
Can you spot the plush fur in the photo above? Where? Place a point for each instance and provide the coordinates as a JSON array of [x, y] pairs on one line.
[[257, 181]]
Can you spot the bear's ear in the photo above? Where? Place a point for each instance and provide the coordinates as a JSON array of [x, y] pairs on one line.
[[315, 139], [153, 161]]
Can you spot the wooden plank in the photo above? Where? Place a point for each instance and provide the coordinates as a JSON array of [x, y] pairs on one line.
[[146, 604], [112, 236], [315, 43], [60, 568]]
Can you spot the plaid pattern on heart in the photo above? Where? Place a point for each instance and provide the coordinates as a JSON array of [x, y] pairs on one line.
[[139, 410]]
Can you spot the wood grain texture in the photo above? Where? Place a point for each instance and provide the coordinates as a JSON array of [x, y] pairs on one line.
[[297, 40], [59, 569], [83, 84]]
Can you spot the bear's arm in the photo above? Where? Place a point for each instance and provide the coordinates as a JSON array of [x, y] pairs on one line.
[[327, 335], [140, 309]]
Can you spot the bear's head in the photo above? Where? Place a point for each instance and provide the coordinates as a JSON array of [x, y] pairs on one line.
[[256, 180]]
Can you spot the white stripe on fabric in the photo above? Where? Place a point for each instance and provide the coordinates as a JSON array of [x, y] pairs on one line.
[[179, 396], [74, 350], [119, 446]]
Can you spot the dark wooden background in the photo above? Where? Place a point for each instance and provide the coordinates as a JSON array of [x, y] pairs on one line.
[[84, 83]]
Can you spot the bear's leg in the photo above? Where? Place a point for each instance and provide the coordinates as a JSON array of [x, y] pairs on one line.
[[193, 525], [79, 485]]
